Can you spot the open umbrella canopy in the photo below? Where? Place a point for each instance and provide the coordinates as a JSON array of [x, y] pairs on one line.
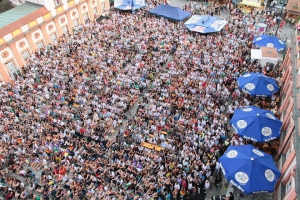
[[269, 41], [257, 84], [256, 124], [249, 169], [205, 24], [129, 4], [170, 12]]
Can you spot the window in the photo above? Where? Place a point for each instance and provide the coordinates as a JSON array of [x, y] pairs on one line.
[[282, 136], [40, 45], [12, 69], [95, 11], [291, 125], [53, 38], [283, 115], [25, 54], [85, 17], [10, 65], [103, 8], [284, 156], [288, 186], [283, 98], [288, 153], [75, 22], [65, 29]]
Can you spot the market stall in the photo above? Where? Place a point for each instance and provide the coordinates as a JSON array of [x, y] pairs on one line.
[[265, 55]]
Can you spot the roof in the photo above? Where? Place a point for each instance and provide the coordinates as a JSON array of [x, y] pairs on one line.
[[293, 5], [269, 52], [17, 13], [19, 16]]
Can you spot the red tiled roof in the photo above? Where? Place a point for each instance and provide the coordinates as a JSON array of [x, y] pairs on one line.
[[293, 5]]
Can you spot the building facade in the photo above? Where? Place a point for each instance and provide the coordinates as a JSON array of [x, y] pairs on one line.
[[293, 10], [40, 22], [287, 154]]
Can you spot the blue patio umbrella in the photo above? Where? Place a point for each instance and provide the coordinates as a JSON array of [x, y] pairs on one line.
[[249, 169], [269, 41], [256, 124], [257, 84], [205, 24], [129, 4], [170, 12]]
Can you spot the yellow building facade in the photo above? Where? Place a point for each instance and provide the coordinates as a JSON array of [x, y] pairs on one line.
[[39, 24]]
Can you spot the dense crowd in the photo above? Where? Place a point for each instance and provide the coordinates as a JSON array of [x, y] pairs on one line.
[[271, 17], [133, 107]]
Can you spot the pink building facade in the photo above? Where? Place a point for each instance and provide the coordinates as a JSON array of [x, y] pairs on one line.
[[287, 154]]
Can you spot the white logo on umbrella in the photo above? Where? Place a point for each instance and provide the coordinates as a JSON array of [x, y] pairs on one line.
[[281, 42], [270, 87], [249, 86], [246, 75], [270, 176], [266, 131], [270, 45], [257, 152], [232, 154], [259, 38], [270, 116], [247, 109], [241, 177], [241, 123]]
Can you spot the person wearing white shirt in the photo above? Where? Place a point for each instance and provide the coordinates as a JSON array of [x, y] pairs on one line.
[[177, 186], [206, 186]]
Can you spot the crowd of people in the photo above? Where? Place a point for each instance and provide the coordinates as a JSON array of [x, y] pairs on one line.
[[69, 128], [269, 16]]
